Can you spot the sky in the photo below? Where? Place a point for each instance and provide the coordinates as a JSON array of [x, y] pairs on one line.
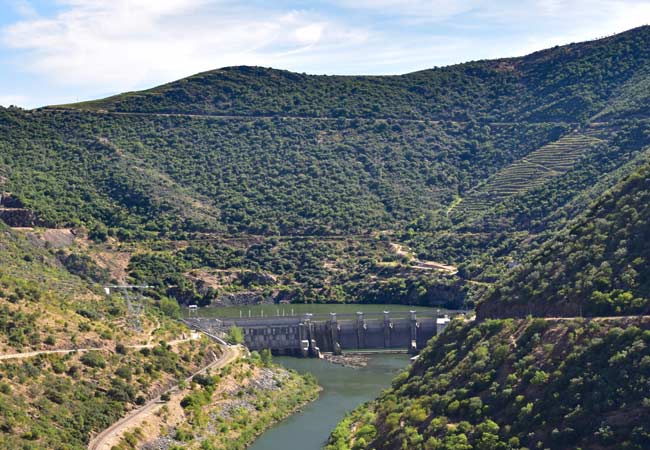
[[61, 51]]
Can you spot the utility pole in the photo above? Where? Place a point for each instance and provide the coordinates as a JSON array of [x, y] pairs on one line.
[[135, 305]]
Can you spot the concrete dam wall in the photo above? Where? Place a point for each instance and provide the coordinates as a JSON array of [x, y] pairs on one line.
[[307, 336]]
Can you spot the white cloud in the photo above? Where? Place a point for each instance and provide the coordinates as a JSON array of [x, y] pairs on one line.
[[125, 44], [100, 46], [546, 23], [9, 100], [310, 34]]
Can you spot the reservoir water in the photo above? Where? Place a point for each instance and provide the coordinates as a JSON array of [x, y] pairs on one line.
[[318, 309], [344, 388]]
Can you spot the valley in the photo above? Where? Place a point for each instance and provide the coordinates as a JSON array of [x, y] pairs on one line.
[[516, 189]]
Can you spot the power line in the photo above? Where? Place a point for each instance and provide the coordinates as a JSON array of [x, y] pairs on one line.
[[135, 304]]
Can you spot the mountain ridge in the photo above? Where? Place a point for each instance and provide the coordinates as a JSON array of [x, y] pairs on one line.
[[434, 93]]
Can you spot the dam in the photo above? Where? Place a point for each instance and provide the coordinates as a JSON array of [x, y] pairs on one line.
[[309, 335]]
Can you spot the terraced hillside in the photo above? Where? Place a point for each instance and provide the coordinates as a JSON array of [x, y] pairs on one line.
[[598, 266], [535, 169]]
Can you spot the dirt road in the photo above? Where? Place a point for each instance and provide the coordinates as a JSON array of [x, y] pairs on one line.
[[88, 349], [416, 263], [112, 435]]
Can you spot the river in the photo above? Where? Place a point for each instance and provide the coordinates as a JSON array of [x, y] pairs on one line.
[[344, 388]]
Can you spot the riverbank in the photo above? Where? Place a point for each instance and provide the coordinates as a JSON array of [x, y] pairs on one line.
[[228, 409]]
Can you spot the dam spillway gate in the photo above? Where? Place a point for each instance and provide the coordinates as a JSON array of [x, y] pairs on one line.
[[307, 335]]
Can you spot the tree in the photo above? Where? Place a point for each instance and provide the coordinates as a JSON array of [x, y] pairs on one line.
[[235, 335], [170, 307]]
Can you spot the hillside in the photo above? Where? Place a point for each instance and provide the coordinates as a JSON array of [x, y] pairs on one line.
[[84, 365], [599, 266], [569, 83], [245, 185], [212, 177], [257, 176], [514, 384], [561, 382], [74, 361]]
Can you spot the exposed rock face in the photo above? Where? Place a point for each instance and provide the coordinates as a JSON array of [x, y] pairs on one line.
[[18, 217], [53, 238], [257, 278], [162, 443], [13, 212], [243, 298]]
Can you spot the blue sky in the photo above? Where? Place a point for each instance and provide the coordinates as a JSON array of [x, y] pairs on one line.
[[67, 50]]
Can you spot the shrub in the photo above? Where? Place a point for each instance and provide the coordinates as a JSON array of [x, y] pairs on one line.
[[540, 377], [93, 359]]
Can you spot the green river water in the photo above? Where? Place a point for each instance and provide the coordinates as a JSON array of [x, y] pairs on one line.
[[344, 388]]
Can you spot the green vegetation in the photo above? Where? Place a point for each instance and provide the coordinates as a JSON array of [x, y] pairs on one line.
[[530, 172], [537, 383], [450, 161], [141, 175], [489, 235], [235, 335], [599, 266], [569, 83], [58, 401], [248, 184], [258, 172], [227, 411], [297, 270], [511, 384]]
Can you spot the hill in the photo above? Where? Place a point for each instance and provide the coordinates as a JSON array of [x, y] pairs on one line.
[[514, 384], [505, 382], [249, 184], [74, 361], [569, 83], [472, 165], [598, 266], [71, 363]]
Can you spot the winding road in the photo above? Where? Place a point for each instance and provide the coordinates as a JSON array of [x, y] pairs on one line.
[[111, 436]]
